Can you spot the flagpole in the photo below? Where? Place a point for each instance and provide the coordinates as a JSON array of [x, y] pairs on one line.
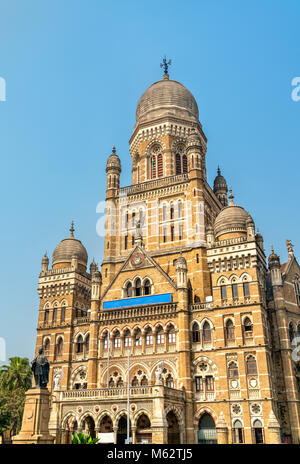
[[128, 393], [108, 349]]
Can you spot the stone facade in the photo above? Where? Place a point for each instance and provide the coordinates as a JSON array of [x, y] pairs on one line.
[[185, 287]]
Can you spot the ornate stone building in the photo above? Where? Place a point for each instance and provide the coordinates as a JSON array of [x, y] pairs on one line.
[[185, 289]]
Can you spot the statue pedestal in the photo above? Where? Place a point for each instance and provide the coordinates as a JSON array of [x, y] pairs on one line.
[[36, 416]]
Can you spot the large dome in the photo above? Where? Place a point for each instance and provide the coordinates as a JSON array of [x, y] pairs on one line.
[[231, 221], [68, 248], [166, 98]]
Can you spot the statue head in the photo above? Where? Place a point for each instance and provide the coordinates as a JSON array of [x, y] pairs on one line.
[[41, 350]]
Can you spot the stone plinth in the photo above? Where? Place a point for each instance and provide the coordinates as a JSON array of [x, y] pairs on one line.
[[35, 418]]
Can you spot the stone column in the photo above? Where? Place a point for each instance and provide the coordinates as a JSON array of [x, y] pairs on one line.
[[222, 430], [133, 431], [273, 430], [159, 424], [35, 418], [115, 429]]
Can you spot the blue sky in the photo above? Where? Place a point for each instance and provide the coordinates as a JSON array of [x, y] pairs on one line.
[[74, 72]]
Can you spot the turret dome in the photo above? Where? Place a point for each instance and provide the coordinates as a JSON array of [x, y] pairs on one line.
[[67, 249]]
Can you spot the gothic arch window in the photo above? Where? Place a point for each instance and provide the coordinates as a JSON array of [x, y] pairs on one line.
[[147, 287], [87, 344], [59, 346], [120, 382], [79, 345], [171, 335], [127, 338], [144, 381], [164, 212], [170, 381], [54, 317], [63, 314], [172, 211], [179, 209], [180, 161], [117, 340], [149, 337], [129, 290], [297, 290], [106, 338], [135, 382], [46, 320], [233, 370], [156, 160], [111, 383], [196, 332], [160, 336], [229, 330], [47, 347], [138, 338], [138, 287], [206, 333], [251, 365], [258, 432], [238, 432], [247, 328]]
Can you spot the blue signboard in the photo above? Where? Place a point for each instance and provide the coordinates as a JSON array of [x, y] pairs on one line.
[[138, 301]]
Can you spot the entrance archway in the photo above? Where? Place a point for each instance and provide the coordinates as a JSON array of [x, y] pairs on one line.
[[122, 430], [106, 425], [88, 426], [207, 433], [143, 430], [173, 428]]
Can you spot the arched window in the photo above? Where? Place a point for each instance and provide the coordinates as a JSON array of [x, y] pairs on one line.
[[87, 344], [171, 211], [63, 315], [120, 383], [233, 370], [149, 337], [258, 432], [47, 347], [170, 381], [237, 432], [138, 338], [160, 336], [160, 170], [59, 346], [251, 365], [79, 345], [106, 338], [297, 291], [54, 315], [111, 383], [135, 382], [127, 339], [164, 212], [229, 330], [46, 316], [248, 329], [184, 164], [178, 164], [206, 333], [179, 209], [117, 340], [171, 335], [147, 287], [153, 167], [138, 287], [291, 332], [196, 332], [128, 290], [246, 289], [144, 381]]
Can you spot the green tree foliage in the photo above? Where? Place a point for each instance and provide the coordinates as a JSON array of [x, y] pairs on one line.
[[15, 379], [79, 438]]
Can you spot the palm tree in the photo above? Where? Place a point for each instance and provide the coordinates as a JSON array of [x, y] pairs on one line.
[[16, 375]]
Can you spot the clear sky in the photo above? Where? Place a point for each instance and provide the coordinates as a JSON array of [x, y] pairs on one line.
[[74, 71]]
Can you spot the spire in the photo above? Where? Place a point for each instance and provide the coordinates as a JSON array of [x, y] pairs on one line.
[[290, 247], [231, 197], [72, 230], [219, 171], [114, 151], [165, 64]]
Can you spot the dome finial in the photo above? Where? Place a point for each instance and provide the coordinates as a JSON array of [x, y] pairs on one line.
[[219, 171], [165, 64], [231, 197], [114, 150], [72, 230]]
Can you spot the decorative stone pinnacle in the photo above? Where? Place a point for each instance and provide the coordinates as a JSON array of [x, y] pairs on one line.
[[114, 150], [72, 230], [219, 171], [231, 197], [290, 247], [165, 64]]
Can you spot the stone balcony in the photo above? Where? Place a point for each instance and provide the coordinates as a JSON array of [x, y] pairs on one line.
[[140, 312], [152, 184], [120, 392]]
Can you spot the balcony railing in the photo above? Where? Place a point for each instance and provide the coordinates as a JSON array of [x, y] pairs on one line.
[[152, 184], [200, 306], [108, 392], [143, 311]]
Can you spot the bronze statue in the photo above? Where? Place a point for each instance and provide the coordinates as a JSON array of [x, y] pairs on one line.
[[40, 369]]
